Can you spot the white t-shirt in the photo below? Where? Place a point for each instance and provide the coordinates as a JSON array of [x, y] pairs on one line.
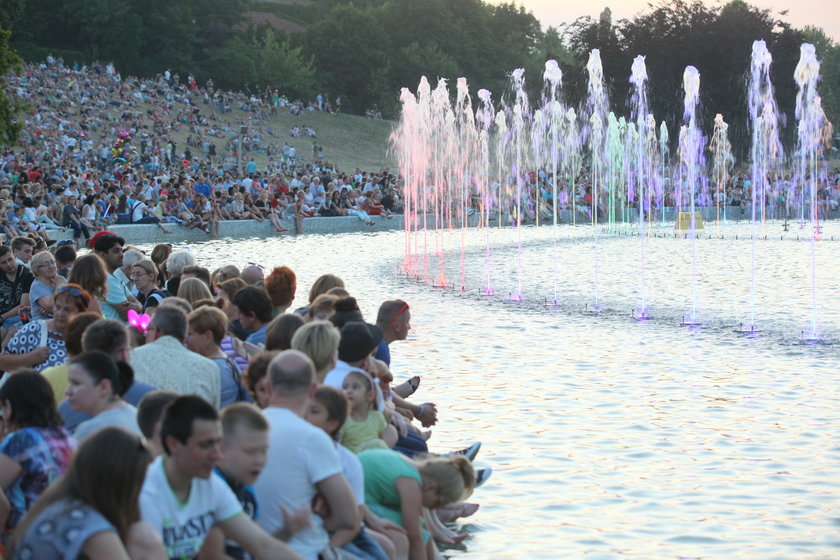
[[185, 526], [138, 211], [352, 469], [299, 456]]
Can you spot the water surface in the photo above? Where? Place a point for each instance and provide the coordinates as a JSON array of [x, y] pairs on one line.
[[610, 437]]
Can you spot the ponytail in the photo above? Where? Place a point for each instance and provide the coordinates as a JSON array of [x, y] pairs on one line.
[[455, 477], [101, 366], [124, 380]]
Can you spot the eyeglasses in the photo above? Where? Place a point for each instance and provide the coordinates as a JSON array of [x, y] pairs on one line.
[[50, 264], [75, 292], [138, 274]]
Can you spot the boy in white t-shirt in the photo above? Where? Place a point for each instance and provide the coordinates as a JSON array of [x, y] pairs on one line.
[[183, 499]]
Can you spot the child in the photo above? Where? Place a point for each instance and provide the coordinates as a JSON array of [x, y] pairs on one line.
[[245, 443], [365, 428], [245, 446], [379, 537]]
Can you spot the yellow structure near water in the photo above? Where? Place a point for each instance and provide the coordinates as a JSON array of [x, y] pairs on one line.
[[684, 221]]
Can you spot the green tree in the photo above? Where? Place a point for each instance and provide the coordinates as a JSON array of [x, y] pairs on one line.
[[280, 64], [416, 61], [105, 29], [717, 41], [10, 12], [351, 53], [829, 54], [9, 61]]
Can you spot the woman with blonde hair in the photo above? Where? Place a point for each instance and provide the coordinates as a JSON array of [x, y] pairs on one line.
[[207, 328], [160, 254], [322, 285], [224, 273], [318, 340], [401, 490], [193, 290], [321, 308]]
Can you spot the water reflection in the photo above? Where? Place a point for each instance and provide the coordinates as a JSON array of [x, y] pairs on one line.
[[611, 437]]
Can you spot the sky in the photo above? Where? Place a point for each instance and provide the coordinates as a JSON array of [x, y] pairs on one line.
[[800, 12]]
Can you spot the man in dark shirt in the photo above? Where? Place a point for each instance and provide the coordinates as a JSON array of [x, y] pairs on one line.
[[15, 281]]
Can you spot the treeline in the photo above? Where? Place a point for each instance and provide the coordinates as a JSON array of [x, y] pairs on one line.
[[718, 42], [365, 51]]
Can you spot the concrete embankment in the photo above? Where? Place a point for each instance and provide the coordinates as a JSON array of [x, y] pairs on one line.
[[243, 229]]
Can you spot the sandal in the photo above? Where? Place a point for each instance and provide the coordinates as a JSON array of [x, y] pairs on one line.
[[407, 388]]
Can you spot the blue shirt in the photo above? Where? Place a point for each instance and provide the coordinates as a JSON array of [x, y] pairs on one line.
[[248, 499], [203, 188], [258, 336], [384, 352]]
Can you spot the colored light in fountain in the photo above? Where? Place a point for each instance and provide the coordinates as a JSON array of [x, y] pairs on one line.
[[813, 130], [638, 72], [722, 163], [597, 106], [690, 320], [552, 73], [765, 152], [641, 152], [691, 86], [553, 76], [641, 315], [750, 329]]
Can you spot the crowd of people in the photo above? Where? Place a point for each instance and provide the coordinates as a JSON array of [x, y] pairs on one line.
[[97, 149], [782, 198], [152, 408]]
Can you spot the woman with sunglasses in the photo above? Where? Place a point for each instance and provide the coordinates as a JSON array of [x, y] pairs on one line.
[[40, 344], [44, 286]]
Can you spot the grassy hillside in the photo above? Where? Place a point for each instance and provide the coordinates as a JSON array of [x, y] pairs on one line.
[[349, 141]]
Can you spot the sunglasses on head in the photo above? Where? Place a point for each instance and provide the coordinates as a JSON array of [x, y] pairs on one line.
[[75, 292], [64, 242]]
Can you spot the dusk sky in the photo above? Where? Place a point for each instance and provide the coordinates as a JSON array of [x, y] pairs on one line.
[[800, 13]]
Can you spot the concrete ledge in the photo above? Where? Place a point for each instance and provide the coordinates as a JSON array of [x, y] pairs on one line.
[[243, 229]]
